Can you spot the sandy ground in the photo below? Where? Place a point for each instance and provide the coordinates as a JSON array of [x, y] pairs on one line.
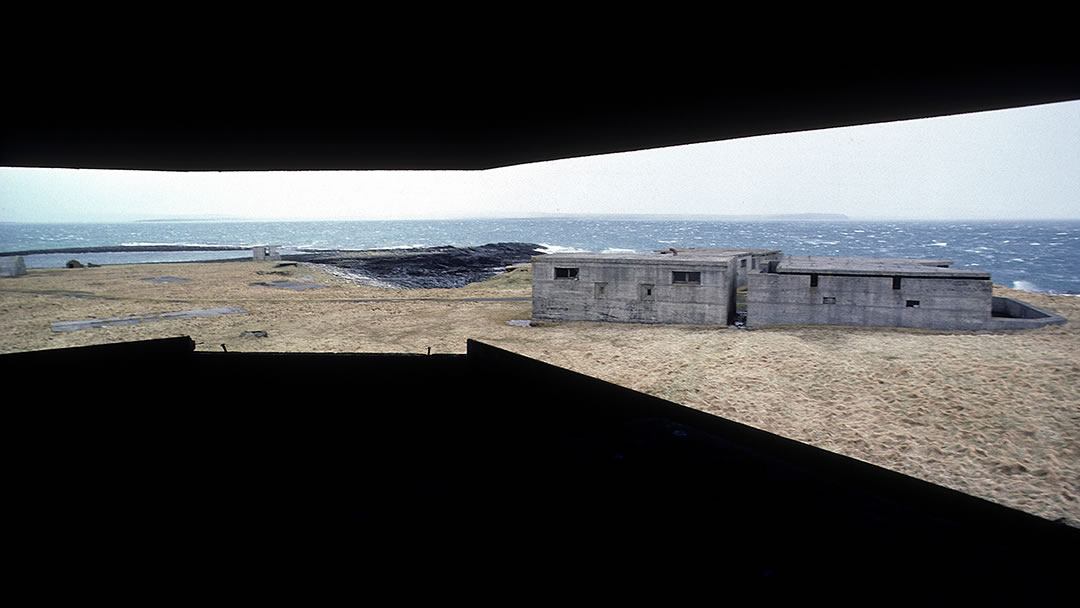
[[993, 415]]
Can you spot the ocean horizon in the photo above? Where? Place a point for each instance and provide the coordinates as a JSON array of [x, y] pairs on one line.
[[1037, 255]]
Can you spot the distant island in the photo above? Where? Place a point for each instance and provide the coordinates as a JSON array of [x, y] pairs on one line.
[[669, 217]]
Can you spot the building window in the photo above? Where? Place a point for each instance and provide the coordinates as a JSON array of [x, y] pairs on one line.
[[566, 273], [896, 282], [686, 277], [813, 280], [912, 304], [646, 292], [742, 263], [828, 300]]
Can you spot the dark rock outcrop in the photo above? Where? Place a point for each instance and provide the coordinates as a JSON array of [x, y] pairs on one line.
[[427, 267]]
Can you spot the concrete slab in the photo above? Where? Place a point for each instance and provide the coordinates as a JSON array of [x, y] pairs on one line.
[[63, 326], [165, 279], [289, 285]]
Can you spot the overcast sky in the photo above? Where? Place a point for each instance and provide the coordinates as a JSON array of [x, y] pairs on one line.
[[1010, 164]]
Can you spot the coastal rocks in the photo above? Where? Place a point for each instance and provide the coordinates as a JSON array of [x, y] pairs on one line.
[[428, 267], [12, 267], [73, 264], [256, 333]]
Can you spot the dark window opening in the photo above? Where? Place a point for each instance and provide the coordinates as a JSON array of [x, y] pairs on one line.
[[646, 292], [912, 304], [686, 277], [813, 280], [742, 263], [566, 273], [896, 282], [828, 300]]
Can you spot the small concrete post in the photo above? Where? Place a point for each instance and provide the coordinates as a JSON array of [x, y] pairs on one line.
[[12, 266]]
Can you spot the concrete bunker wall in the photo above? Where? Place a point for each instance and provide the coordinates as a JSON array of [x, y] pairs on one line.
[[822, 299], [752, 263], [670, 290]]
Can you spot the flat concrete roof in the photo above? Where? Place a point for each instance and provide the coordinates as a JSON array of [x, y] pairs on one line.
[[713, 259], [875, 266], [697, 255], [725, 251]]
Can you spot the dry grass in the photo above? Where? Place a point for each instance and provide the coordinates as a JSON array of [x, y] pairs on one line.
[[993, 415]]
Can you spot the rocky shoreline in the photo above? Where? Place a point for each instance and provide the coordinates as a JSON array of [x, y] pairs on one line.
[[413, 268], [424, 268]]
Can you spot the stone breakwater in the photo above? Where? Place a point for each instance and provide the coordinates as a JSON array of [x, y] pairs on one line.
[[426, 267]]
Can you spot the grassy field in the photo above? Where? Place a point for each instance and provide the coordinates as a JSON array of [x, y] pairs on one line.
[[993, 415]]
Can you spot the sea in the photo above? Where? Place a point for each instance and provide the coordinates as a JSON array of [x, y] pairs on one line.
[[1036, 256]]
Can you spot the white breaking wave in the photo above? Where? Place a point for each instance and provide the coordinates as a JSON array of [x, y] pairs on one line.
[[1032, 287], [546, 248]]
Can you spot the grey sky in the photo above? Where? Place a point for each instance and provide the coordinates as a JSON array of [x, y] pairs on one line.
[[1011, 164]]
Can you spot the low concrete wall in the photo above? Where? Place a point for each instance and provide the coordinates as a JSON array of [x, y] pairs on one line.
[[1014, 314]]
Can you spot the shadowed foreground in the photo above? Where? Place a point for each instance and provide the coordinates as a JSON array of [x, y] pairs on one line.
[[422, 457]]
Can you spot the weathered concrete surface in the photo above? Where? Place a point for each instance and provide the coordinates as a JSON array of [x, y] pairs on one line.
[[791, 264], [638, 288], [746, 260], [262, 253], [12, 266], [62, 326], [792, 299], [870, 292]]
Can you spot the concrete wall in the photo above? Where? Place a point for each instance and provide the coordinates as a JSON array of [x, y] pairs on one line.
[[632, 290], [943, 303], [752, 263]]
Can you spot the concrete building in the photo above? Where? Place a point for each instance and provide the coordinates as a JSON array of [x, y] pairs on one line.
[[883, 292], [265, 252], [699, 286], [671, 286], [869, 292]]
